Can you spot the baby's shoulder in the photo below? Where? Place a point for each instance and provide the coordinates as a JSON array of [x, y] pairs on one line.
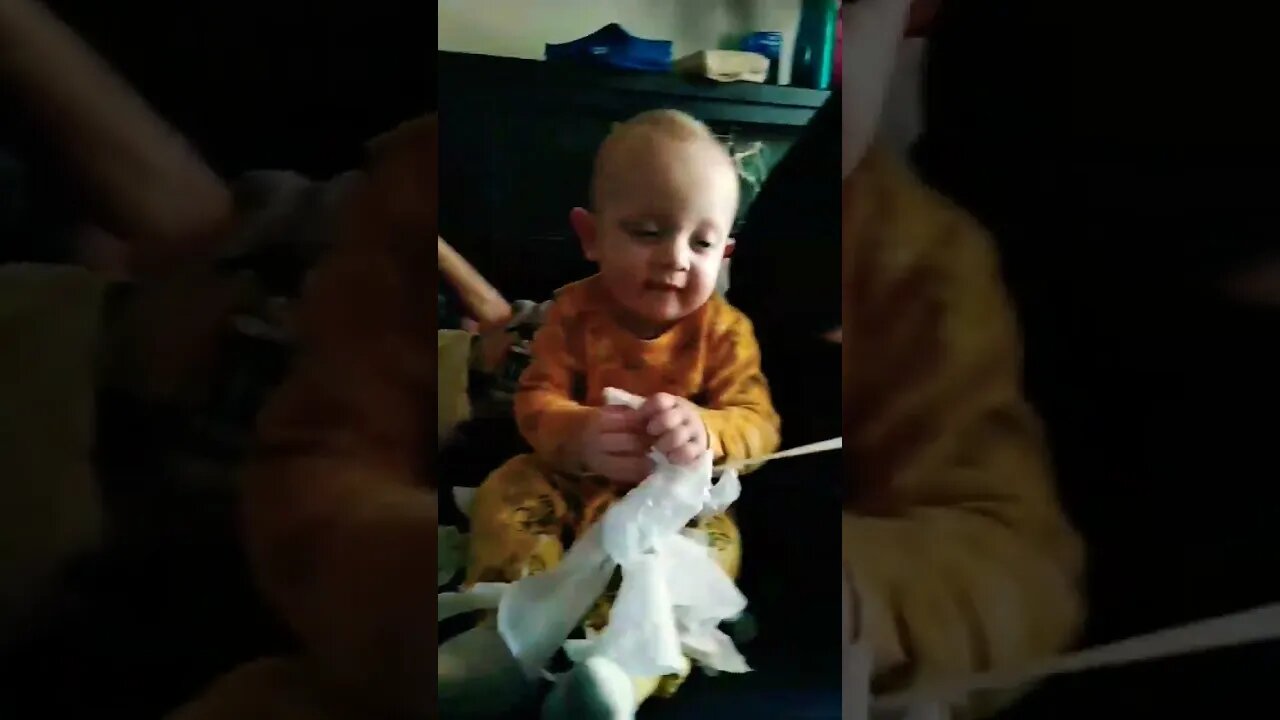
[[721, 318], [573, 300]]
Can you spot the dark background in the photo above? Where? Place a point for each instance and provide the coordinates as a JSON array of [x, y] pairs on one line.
[[168, 605], [286, 84], [1125, 159]]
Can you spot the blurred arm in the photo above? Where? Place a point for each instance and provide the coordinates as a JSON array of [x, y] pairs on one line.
[[340, 509], [151, 188], [963, 558]]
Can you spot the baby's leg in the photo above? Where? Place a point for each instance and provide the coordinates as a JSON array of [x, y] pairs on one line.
[[722, 536], [725, 544], [516, 520]]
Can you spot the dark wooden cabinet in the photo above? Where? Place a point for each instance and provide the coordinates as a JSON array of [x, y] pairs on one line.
[[517, 139]]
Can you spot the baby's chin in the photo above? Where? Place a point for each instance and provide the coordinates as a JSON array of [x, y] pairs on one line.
[[666, 310], [652, 313]]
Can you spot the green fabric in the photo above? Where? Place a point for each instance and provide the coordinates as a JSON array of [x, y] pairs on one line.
[[49, 505]]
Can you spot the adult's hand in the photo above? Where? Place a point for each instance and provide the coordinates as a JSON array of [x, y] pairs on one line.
[[484, 301]]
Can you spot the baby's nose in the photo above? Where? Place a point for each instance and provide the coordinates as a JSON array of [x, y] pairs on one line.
[[676, 254]]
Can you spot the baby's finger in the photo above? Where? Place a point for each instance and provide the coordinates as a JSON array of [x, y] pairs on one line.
[[659, 403], [614, 418], [623, 443], [666, 421], [681, 435], [684, 454]]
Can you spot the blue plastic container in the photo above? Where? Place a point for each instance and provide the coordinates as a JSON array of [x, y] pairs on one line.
[[613, 47], [768, 44]]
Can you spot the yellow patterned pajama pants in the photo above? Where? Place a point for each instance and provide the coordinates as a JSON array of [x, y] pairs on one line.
[[523, 517]]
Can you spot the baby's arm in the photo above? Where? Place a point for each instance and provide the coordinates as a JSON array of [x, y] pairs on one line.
[[739, 416], [548, 417]]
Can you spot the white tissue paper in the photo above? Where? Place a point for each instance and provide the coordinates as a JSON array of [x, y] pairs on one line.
[[673, 595]]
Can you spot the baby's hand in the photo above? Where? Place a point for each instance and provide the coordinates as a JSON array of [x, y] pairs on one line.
[[615, 446], [675, 426]]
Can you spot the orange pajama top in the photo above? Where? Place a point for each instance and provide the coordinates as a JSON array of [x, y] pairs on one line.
[[710, 357]]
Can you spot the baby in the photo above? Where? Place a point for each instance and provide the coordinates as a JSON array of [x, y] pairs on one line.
[[664, 195]]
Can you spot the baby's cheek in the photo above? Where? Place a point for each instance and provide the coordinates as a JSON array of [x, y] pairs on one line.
[[698, 284], [625, 279]]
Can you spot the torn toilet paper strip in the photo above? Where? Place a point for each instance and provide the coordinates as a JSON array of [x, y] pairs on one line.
[[673, 595], [1258, 625]]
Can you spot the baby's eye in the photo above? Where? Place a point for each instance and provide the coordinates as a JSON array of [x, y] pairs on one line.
[[703, 244], [638, 228], [644, 233]]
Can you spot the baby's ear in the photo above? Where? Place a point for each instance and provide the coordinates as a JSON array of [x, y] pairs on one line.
[[729, 245], [584, 224]]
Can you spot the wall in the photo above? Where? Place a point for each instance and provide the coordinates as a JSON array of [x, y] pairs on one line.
[[521, 28]]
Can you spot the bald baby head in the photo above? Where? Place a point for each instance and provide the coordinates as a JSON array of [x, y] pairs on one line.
[[649, 141], [664, 197]]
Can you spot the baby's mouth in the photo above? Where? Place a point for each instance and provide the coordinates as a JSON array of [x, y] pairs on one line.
[[662, 287]]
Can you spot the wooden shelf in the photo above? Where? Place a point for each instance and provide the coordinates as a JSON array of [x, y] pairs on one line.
[[746, 102]]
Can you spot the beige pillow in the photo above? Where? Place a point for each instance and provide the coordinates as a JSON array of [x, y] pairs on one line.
[[50, 510], [453, 349]]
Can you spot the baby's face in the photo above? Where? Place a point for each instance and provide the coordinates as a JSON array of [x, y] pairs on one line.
[[662, 228]]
